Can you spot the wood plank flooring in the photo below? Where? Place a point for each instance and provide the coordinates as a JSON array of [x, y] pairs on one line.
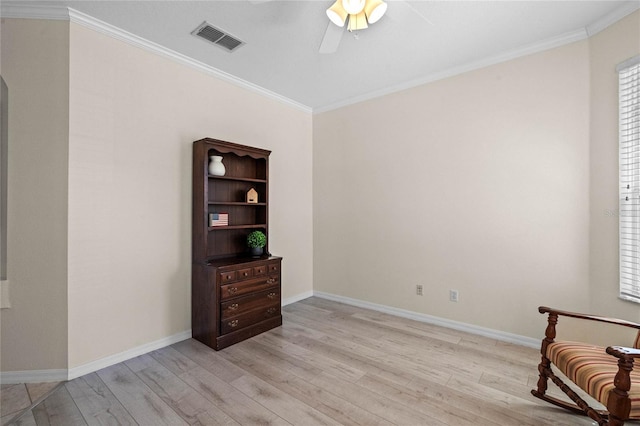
[[329, 364]]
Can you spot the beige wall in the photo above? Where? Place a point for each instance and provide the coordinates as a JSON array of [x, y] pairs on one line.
[[500, 183], [133, 118], [121, 132], [497, 183], [608, 48], [35, 66], [478, 183]]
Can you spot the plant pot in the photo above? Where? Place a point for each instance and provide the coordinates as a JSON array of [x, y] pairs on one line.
[[256, 251]]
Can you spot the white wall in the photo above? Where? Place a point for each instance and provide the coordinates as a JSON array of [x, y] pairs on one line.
[[35, 66], [478, 183]]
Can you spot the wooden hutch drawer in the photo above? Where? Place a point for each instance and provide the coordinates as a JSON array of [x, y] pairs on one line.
[[245, 274], [252, 317], [243, 304], [241, 274], [229, 291], [227, 277], [259, 270], [274, 267]]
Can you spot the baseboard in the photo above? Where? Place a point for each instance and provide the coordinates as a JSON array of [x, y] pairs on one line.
[[59, 375], [128, 354], [297, 298], [37, 376], [32, 376], [429, 319]]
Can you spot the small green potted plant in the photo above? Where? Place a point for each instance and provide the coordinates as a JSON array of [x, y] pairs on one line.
[[256, 242]]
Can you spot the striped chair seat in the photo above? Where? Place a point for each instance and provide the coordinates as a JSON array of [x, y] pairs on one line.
[[593, 370]]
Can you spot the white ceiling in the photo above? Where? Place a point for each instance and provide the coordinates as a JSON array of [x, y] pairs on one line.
[[415, 42]]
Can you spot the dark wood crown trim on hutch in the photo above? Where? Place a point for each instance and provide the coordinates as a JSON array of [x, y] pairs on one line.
[[233, 296]]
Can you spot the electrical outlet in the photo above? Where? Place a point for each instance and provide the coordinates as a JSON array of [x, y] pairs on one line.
[[453, 295], [419, 290]]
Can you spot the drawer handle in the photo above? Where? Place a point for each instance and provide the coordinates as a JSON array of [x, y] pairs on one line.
[[232, 290], [246, 274], [233, 307], [271, 280], [272, 295], [274, 268], [233, 323], [228, 277], [271, 311]]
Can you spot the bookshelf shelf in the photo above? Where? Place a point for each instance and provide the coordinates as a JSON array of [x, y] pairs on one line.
[[239, 179], [235, 203], [233, 227]]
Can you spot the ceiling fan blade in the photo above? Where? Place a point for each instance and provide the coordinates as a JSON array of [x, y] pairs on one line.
[[406, 13], [331, 39]]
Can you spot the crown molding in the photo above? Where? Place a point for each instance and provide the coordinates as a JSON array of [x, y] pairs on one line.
[[606, 21], [626, 9], [551, 43], [27, 11], [119, 34], [32, 11]]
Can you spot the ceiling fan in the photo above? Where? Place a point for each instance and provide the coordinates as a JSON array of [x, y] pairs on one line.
[[358, 14]]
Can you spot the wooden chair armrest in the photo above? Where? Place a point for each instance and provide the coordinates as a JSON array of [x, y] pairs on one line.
[[622, 352], [615, 321]]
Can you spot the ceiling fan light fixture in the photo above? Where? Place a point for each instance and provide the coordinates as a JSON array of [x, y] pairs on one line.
[[359, 12], [353, 7], [375, 9], [337, 14], [357, 22]]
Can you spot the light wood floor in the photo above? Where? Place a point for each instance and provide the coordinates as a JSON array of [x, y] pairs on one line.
[[328, 364]]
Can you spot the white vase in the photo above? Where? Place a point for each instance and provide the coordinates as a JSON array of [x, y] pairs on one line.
[[216, 168]]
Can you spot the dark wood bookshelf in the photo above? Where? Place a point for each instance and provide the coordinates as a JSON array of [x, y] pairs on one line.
[[234, 295]]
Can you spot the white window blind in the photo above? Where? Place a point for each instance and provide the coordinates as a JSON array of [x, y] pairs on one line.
[[629, 113]]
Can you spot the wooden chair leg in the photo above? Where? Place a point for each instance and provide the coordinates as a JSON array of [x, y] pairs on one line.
[[579, 406], [543, 378], [618, 403], [546, 373], [545, 363], [613, 421]]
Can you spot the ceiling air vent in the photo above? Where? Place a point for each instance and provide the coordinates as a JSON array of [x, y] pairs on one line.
[[217, 37]]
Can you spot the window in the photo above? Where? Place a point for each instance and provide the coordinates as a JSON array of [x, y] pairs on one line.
[[629, 111]]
